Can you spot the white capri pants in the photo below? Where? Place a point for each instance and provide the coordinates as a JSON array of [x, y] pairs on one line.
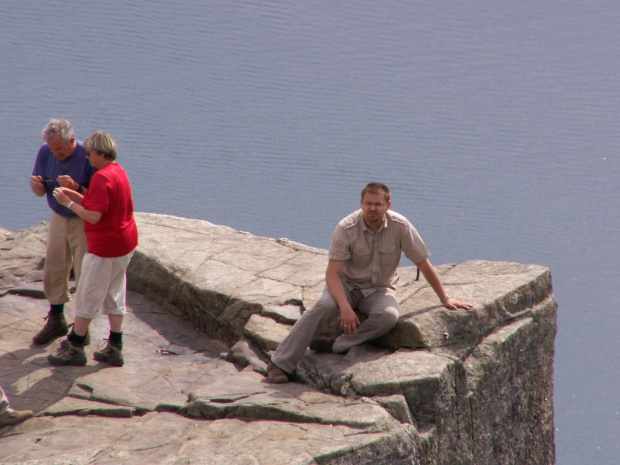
[[102, 286]]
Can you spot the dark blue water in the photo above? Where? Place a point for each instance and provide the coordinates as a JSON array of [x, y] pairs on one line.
[[495, 125]]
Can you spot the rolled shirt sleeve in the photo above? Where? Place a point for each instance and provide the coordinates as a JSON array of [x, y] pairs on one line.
[[413, 246], [340, 248]]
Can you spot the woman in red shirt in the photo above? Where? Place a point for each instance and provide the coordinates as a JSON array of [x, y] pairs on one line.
[[107, 211]]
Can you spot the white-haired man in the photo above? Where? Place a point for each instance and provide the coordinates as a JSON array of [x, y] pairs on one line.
[[61, 162]]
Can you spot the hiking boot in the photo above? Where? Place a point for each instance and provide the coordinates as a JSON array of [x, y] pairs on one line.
[[15, 417], [275, 374], [55, 327], [111, 354], [322, 344], [68, 354]]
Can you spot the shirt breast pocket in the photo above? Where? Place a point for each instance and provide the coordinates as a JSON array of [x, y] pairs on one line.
[[360, 255], [390, 254]]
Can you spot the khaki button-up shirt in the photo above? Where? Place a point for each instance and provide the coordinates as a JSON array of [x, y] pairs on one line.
[[371, 259]]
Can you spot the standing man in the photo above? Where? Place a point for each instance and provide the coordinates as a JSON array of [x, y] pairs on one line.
[[61, 162], [361, 274], [107, 209]]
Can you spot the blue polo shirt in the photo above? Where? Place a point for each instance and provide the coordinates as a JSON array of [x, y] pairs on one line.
[[49, 167]]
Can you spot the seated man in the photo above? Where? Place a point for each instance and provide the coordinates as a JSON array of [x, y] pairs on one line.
[[361, 273]]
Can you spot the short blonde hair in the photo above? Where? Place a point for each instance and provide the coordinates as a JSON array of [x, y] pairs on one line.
[[101, 142]]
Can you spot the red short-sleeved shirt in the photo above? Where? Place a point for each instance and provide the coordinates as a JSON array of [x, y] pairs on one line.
[[116, 233]]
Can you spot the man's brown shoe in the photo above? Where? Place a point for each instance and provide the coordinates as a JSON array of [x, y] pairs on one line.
[[55, 326], [275, 374], [15, 417]]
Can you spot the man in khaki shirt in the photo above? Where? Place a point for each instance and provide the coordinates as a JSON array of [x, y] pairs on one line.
[[361, 273]]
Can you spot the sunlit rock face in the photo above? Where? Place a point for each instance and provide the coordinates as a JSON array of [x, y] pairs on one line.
[[207, 308]]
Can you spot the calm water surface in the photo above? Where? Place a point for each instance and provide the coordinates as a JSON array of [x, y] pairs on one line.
[[496, 126]]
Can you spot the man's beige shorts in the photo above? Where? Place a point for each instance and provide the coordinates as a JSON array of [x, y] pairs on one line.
[[102, 286]]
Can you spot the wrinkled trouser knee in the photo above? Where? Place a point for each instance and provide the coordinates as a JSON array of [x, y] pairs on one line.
[[381, 307]]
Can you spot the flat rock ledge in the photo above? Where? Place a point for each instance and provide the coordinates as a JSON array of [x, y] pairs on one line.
[[207, 307]]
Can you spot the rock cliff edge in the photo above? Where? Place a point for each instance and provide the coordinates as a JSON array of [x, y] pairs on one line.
[[207, 307]]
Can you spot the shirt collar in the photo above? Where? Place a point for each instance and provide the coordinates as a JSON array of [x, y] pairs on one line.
[[366, 228]]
